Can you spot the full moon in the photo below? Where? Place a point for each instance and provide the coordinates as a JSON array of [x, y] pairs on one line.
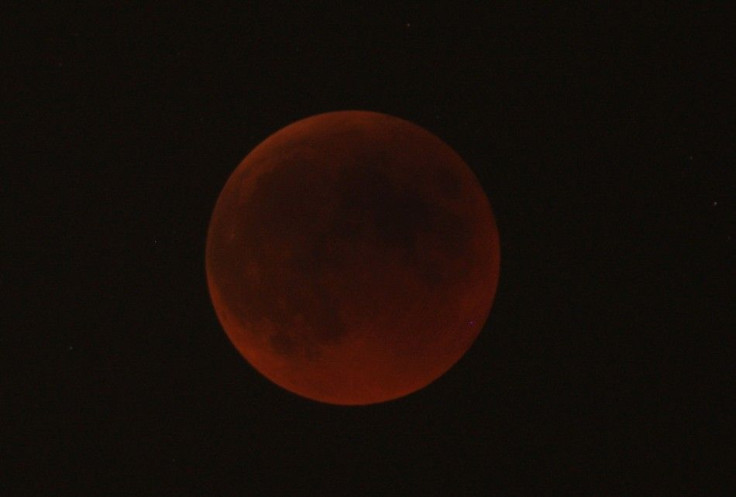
[[352, 258]]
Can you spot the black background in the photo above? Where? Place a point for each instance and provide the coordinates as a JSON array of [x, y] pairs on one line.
[[599, 132]]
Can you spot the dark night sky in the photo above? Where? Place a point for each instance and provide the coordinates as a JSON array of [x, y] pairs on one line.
[[599, 133]]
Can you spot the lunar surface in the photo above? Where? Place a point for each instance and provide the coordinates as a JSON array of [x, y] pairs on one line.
[[352, 258]]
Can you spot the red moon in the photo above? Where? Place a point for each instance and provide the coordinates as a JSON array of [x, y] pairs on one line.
[[352, 258]]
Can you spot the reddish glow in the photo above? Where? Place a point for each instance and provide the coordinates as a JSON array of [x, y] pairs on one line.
[[352, 258]]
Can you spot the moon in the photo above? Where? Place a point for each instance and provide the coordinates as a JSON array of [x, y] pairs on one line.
[[352, 258]]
